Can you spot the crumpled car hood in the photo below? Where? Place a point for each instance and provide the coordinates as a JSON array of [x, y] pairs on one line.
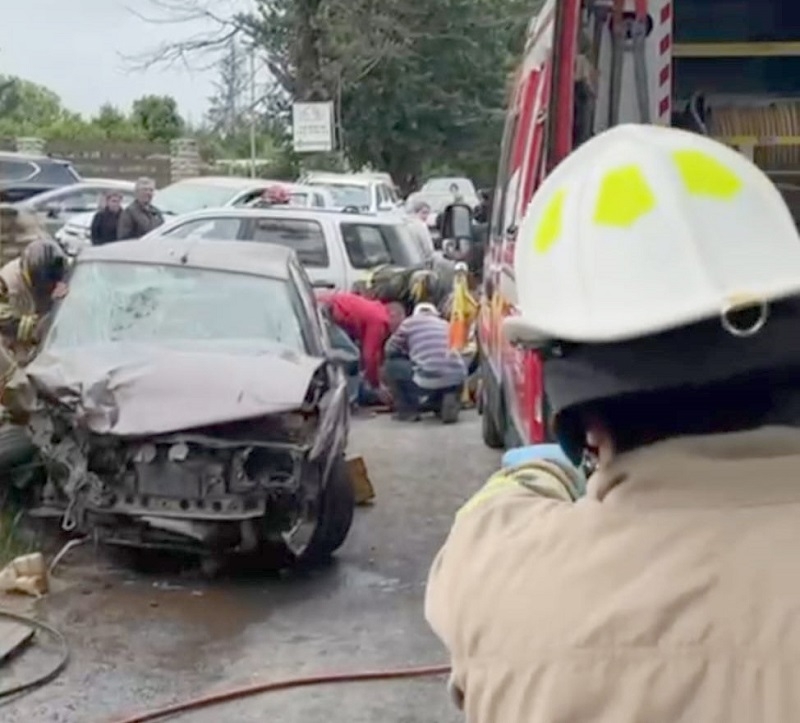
[[142, 390]]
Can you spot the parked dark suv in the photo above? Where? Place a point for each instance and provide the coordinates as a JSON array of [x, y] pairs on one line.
[[23, 175]]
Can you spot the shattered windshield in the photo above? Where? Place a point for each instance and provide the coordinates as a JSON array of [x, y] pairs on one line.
[[126, 302]]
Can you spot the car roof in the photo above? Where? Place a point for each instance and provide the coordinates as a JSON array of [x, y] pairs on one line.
[[110, 182], [77, 186], [247, 257], [37, 157], [295, 212], [354, 179], [305, 188], [234, 182]]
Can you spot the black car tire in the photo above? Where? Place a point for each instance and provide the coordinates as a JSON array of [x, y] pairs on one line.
[[16, 447], [336, 515]]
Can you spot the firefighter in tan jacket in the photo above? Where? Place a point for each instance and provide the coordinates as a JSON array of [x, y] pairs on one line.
[[28, 287], [658, 275]]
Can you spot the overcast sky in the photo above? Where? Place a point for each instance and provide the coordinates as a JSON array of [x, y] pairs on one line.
[[74, 48]]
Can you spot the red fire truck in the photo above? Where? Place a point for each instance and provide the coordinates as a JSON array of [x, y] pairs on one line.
[[726, 68]]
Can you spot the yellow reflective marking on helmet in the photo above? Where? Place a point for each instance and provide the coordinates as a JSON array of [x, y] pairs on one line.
[[550, 225], [704, 175], [625, 196]]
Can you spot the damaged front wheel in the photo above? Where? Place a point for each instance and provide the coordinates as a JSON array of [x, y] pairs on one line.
[[335, 516]]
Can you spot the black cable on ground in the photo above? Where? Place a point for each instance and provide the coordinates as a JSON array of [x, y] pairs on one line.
[[55, 671]]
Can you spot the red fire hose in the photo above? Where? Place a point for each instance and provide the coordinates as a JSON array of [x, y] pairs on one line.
[[246, 691]]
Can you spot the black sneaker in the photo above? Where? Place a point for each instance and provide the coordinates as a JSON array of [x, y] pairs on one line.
[[451, 406]]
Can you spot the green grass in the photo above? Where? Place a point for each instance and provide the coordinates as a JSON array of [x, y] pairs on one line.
[[12, 542]]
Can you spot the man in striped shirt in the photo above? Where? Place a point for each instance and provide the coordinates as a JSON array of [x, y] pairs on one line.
[[420, 365]]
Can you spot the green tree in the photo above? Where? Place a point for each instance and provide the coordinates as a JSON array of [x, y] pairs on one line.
[[410, 80], [28, 104], [158, 117]]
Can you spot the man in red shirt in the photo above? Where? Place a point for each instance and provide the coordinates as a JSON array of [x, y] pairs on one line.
[[368, 323]]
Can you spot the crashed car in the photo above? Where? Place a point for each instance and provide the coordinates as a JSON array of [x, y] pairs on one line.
[[190, 400]]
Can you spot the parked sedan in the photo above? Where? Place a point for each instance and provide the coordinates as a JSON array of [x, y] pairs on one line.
[[192, 401], [337, 249], [57, 206]]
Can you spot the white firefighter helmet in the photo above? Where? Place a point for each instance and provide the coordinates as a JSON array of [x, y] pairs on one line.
[[643, 229]]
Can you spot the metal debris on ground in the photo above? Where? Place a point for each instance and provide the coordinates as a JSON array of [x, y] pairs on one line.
[[13, 636], [359, 477]]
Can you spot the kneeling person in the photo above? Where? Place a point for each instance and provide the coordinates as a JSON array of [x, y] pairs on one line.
[[420, 364]]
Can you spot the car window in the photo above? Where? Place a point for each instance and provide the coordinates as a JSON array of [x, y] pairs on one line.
[[365, 245], [57, 174], [250, 197], [176, 307], [388, 195], [319, 200], [16, 171], [346, 195], [298, 198], [221, 229], [78, 202], [305, 237], [444, 185]]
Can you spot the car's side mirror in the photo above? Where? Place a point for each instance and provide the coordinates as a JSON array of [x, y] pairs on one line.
[[456, 221], [52, 211]]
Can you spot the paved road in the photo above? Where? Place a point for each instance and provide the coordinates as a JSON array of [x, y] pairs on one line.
[[141, 641]]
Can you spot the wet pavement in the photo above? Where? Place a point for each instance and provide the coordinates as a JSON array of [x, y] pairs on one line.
[[140, 641]]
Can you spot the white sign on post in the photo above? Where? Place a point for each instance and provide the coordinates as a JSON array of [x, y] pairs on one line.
[[312, 127]]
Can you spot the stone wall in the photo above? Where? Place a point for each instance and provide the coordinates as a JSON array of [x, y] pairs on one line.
[[125, 160], [185, 161]]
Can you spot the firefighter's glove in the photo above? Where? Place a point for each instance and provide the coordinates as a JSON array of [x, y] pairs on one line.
[[553, 457]]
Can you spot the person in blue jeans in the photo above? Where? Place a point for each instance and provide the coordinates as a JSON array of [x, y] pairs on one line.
[[419, 365]]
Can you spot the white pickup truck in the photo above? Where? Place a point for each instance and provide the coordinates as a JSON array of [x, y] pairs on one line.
[[337, 249]]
